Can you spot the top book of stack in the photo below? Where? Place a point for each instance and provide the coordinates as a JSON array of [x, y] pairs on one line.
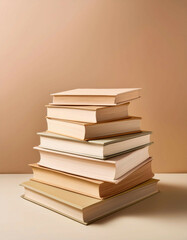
[[100, 97]]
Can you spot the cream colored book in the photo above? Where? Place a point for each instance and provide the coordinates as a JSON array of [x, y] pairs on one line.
[[84, 96], [90, 187], [100, 148], [90, 114], [82, 208], [87, 131], [110, 170]]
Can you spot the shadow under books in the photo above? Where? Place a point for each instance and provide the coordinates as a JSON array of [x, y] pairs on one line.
[[170, 201]]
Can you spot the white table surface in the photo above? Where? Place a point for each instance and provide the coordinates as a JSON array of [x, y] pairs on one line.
[[162, 216]]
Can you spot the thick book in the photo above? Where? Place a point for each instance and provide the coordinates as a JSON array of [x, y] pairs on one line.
[[100, 148], [110, 170], [87, 131], [84, 96], [82, 208], [90, 187], [90, 114]]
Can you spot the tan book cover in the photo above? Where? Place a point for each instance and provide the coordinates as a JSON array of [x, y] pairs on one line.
[[95, 92], [87, 107], [92, 114], [95, 96], [111, 170], [82, 208], [90, 187], [89, 131]]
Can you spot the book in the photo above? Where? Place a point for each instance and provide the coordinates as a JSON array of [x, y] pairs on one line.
[[95, 96], [109, 170], [87, 131], [90, 187], [100, 148], [82, 208], [90, 114]]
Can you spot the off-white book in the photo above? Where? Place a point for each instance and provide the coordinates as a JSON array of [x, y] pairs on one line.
[[88, 186], [84, 96], [90, 114], [111, 170], [82, 208], [87, 131], [100, 148]]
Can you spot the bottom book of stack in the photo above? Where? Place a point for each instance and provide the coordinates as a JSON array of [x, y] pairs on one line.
[[82, 208]]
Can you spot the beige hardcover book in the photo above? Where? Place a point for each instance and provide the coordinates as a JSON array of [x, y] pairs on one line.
[[88, 131], [110, 96], [110, 170], [90, 187], [82, 208], [100, 148], [90, 114]]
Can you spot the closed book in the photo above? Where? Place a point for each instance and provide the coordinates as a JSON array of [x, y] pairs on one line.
[[110, 170], [82, 208], [90, 187], [84, 96], [90, 114], [100, 148], [87, 131]]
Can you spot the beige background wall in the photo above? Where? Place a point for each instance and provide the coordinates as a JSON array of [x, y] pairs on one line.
[[49, 46]]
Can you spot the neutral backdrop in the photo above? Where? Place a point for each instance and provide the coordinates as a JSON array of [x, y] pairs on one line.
[[50, 46]]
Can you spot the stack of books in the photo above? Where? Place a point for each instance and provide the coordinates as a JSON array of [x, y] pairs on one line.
[[94, 157]]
